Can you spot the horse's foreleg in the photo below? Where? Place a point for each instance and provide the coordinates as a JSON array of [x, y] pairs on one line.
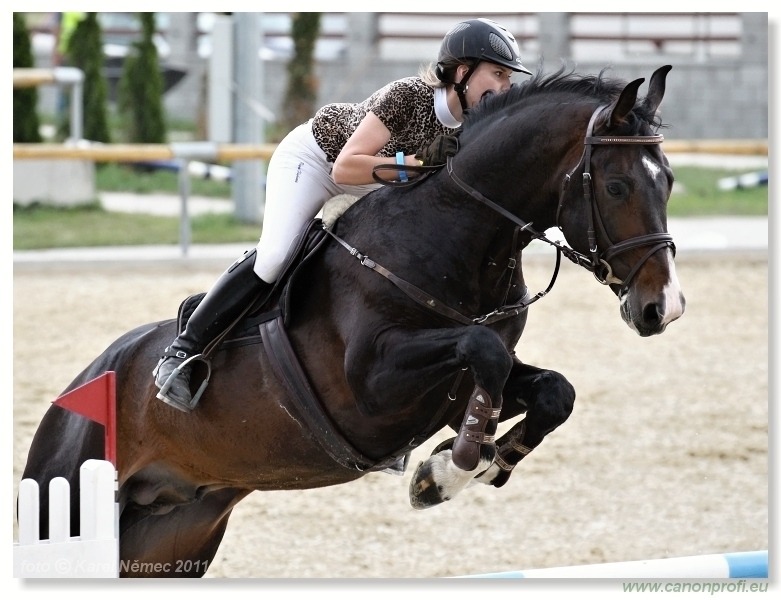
[[476, 435], [445, 474], [548, 399]]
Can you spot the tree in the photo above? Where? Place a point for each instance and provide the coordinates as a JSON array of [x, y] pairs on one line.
[[85, 51], [302, 84], [26, 123], [140, 93]]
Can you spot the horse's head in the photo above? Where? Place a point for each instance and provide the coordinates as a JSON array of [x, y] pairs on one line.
[[613, 208]]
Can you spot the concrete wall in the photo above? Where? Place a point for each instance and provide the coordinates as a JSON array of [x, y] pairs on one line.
[[58, 182], [719, 98], [726, 100]]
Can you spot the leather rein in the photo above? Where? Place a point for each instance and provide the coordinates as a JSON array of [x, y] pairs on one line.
[[428, 301]]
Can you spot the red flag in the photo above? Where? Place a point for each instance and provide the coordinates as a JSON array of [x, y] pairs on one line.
[[96, 400]]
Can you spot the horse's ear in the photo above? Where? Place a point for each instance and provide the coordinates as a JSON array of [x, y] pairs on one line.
[[656, 89], [625, 102]]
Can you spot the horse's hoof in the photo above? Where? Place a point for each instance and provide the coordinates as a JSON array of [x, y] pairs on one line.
[[502, 478], [438, 480], [423, 489], [493, 476]]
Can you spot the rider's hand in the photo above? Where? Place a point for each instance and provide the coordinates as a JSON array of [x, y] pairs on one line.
[[437, 151]]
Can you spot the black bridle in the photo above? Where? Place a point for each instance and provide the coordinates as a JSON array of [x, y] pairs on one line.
[[600, 262], [597, 262]]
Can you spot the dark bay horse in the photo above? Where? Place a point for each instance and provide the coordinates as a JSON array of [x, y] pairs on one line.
[[410, 331]]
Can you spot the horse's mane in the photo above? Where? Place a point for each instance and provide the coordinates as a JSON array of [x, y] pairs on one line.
[[564, 81]]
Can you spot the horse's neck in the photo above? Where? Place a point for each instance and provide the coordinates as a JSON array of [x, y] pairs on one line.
[[543, 141], [516, 196]]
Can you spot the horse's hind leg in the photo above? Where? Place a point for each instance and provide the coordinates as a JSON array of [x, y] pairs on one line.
[[179, 543]]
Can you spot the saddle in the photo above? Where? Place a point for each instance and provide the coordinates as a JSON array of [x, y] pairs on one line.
[[277, 302]]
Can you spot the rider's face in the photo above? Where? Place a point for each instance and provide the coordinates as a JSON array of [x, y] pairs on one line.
[[488, 78]]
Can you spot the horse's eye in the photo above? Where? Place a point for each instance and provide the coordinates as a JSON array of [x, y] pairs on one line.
[[616, 189]]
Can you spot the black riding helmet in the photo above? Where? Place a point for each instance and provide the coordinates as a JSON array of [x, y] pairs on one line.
[[477, 40]]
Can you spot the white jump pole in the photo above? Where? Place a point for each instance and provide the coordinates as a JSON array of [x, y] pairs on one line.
[[735, 565]]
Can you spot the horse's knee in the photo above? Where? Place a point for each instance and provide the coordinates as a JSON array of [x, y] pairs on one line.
[[485, 352], [554, 401]]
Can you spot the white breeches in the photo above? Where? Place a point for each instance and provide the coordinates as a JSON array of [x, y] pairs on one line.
[[298, 184]]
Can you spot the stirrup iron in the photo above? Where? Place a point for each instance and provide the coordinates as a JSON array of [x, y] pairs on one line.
[[162, 394]]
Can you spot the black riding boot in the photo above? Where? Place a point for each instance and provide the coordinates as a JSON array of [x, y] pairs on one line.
[[232, 292]]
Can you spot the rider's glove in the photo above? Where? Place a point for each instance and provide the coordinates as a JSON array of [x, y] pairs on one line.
[[437, 151]]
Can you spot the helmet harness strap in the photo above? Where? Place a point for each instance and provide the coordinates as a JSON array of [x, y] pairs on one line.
[[462, 86]]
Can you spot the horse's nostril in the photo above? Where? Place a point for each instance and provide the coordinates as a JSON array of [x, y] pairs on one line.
[[652, 313]]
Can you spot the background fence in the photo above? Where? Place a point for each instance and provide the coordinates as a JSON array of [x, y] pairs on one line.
[[716, 98]]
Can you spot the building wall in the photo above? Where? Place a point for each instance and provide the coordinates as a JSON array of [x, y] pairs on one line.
[[726, 100], [719, 98]]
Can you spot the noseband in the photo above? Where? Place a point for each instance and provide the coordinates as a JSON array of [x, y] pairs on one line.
[[597, 262]]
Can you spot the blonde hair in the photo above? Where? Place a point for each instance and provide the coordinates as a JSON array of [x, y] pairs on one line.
[[428, 73]]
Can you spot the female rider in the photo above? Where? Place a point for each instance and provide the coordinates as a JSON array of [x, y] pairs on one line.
[[334, 153]]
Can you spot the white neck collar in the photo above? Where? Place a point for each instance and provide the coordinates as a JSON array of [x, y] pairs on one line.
[[442, 110]]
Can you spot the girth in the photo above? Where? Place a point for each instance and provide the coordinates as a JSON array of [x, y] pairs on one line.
[[307, 405]]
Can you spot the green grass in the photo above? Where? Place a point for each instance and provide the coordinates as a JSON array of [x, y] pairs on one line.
[[38, 227], [110, 177], [697, 194]]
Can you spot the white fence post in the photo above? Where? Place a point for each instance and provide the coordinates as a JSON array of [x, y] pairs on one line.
[[94, 553]]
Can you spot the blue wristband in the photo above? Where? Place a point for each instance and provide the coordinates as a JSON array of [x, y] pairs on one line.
[[400, 161]]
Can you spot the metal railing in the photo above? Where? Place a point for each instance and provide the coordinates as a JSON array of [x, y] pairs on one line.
[[61, 76]]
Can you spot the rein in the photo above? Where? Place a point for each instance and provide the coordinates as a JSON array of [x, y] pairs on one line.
[[423, 170], [428, 301]]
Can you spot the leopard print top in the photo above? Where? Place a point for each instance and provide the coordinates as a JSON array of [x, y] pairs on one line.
[[405, 107]]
